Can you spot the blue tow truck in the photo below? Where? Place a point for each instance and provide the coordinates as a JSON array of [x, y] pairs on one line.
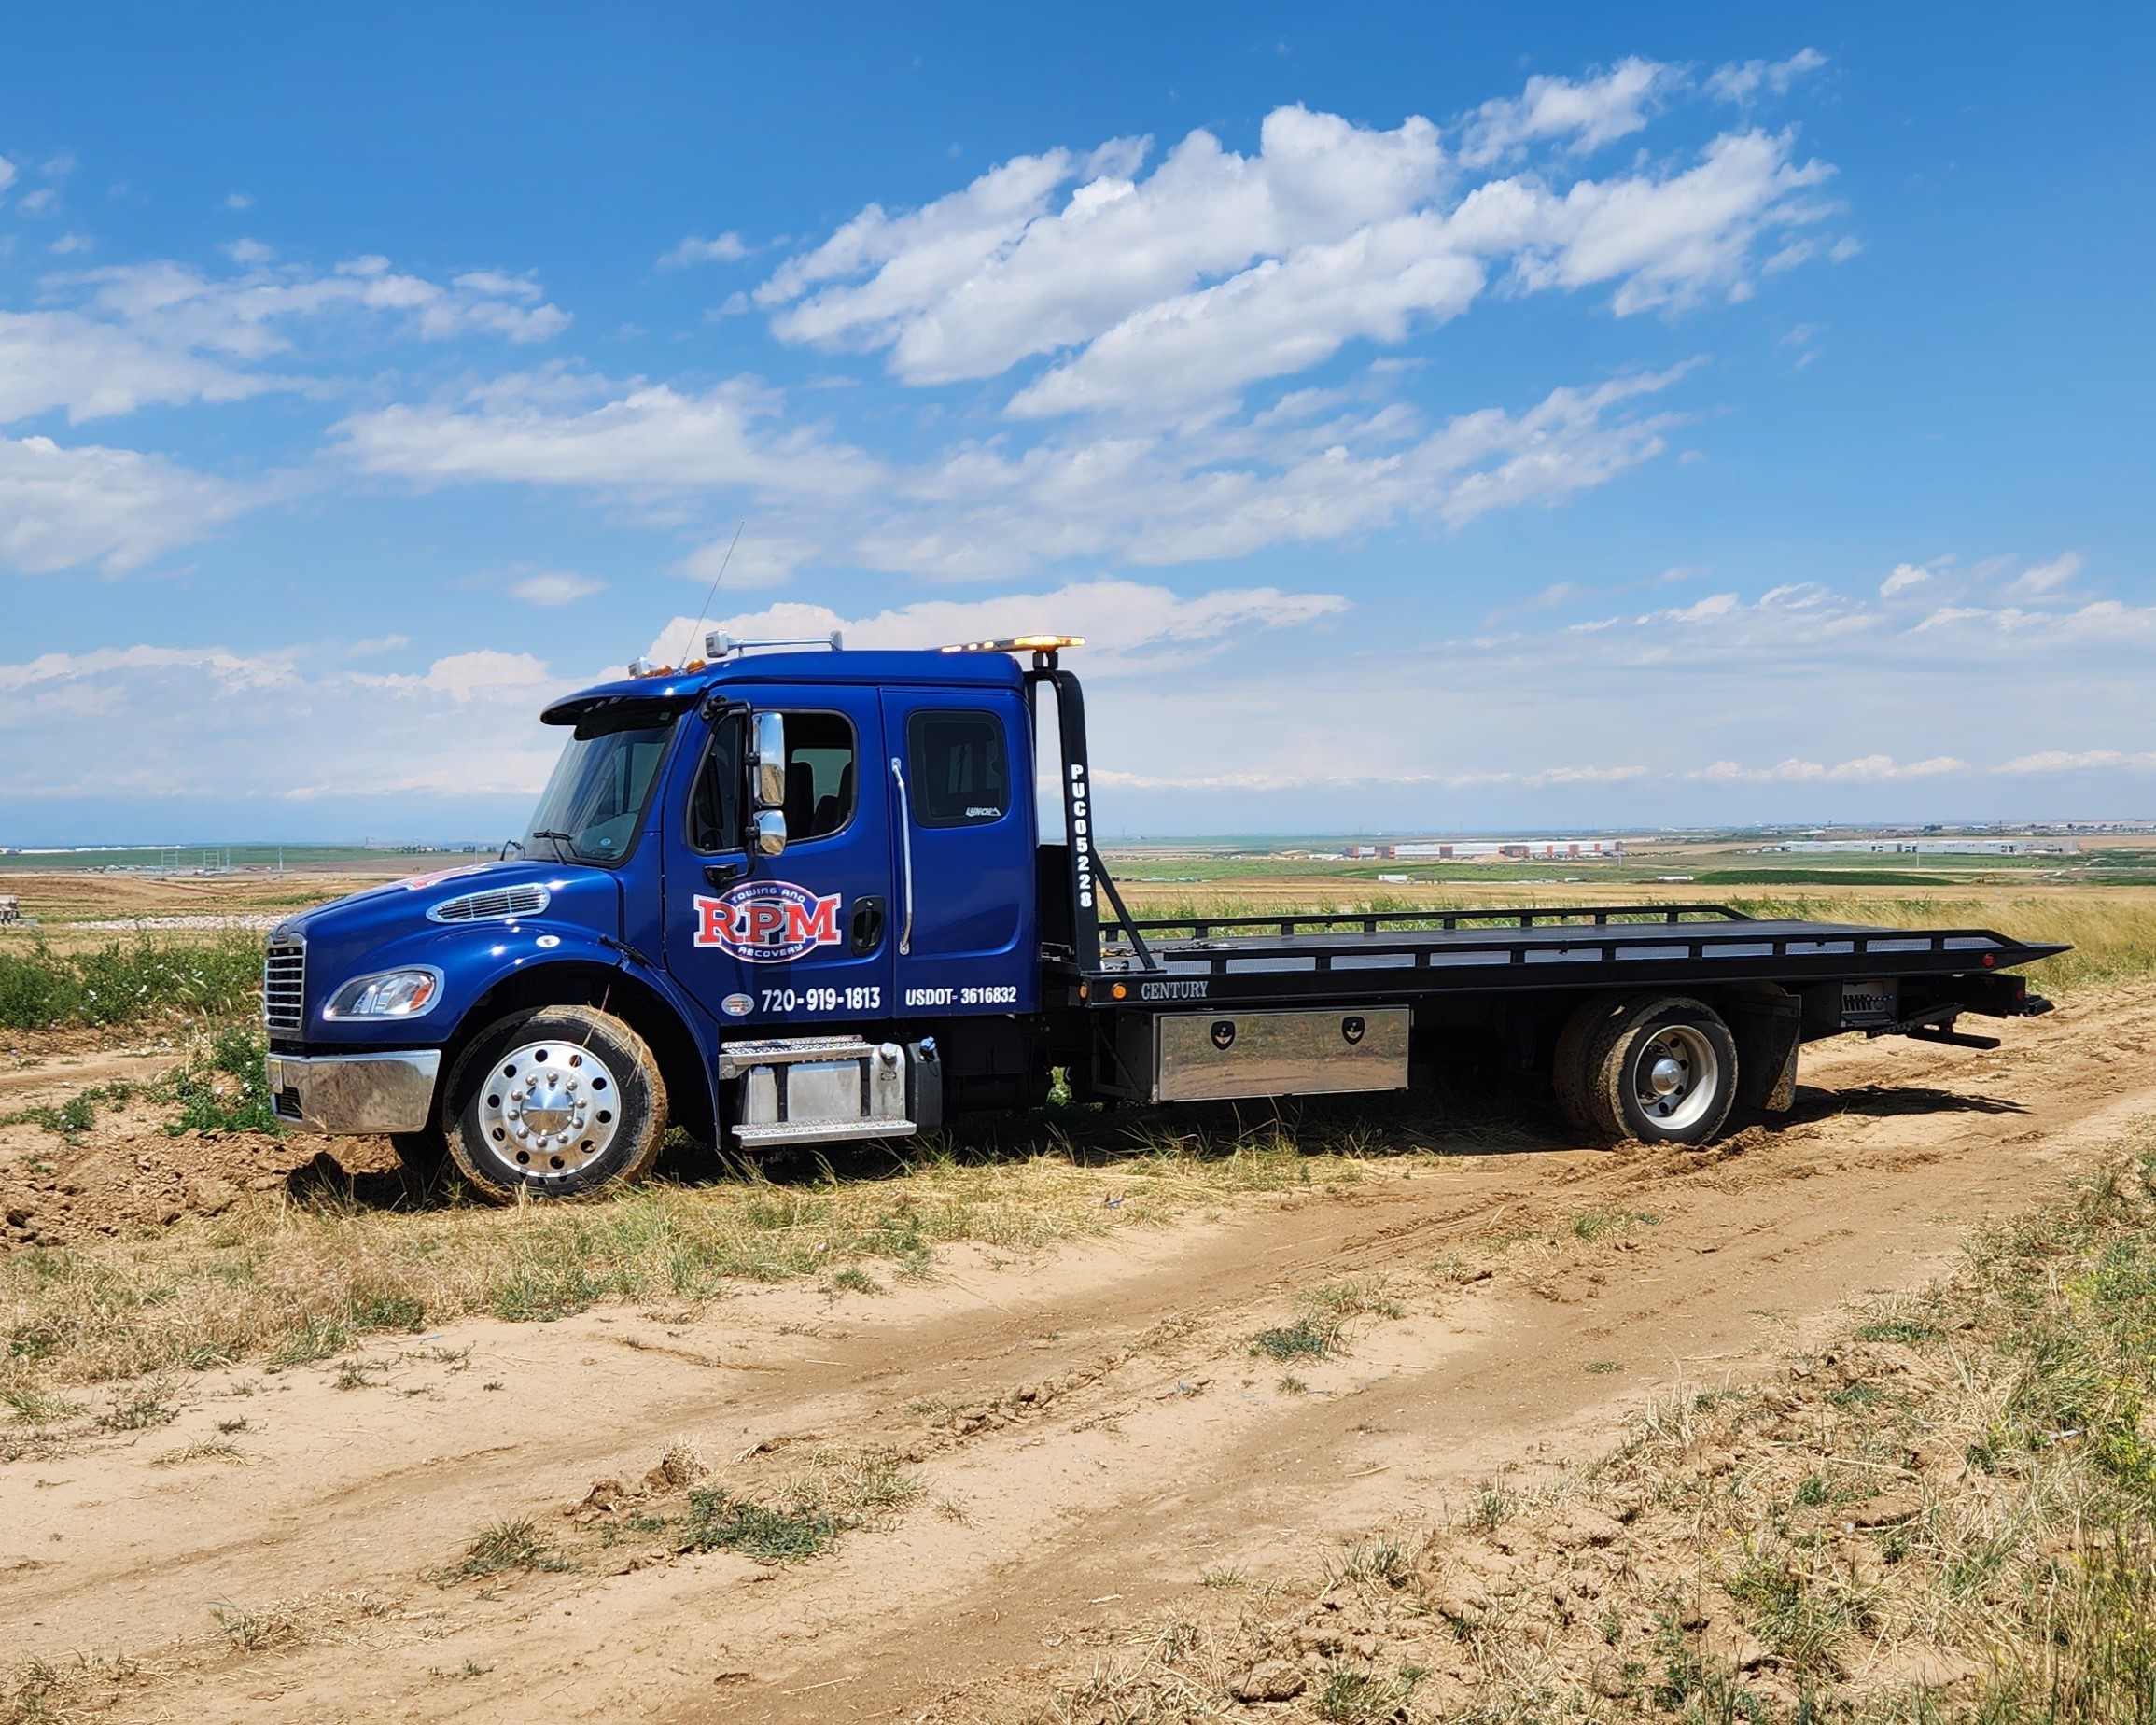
[[791, 894]]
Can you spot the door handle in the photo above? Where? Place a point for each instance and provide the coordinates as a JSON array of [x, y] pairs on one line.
[[905, 859], [867, 930]]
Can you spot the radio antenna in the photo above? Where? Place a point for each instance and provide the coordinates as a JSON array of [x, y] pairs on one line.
[[696, 635]]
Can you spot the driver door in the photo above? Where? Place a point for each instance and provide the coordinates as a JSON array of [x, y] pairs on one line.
[[772, 945]]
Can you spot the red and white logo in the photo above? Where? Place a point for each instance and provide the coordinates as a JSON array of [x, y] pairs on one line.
[[767, 922]]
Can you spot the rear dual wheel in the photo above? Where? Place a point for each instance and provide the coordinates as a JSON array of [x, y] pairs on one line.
[[560, 1102], [1658, 1069]]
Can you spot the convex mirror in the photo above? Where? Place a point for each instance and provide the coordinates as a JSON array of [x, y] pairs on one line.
[[768, 761]]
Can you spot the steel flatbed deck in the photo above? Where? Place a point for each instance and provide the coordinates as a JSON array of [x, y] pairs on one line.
[[1291, 957]]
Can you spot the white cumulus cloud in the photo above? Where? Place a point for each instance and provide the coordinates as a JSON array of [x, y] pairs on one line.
[[571, 429], [726, 248], [1587, 115], [1742, 81], [2048, 577], [116, 508], [1161, 292]]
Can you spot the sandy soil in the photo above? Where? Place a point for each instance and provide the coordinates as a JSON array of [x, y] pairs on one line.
[[1090, 1429]]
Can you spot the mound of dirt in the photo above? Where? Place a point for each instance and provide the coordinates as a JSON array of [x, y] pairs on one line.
[[126, 1171]]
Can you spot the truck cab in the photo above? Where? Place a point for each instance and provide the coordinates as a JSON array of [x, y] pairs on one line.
[[785, 874]]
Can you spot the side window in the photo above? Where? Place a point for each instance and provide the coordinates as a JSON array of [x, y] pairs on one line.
[[820, 775], [961, 771], [715, 821]]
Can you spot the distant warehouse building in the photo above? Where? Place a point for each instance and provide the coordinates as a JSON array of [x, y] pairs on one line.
[[1496, 849]]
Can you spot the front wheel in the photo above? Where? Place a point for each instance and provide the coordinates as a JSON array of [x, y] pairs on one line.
[[1662, 1069], [560, 1102]]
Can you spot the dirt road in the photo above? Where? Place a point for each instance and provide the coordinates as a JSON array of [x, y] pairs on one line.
[[1090, 1432]]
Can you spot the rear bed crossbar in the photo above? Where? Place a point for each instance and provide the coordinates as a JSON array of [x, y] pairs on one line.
[[1369, 923]]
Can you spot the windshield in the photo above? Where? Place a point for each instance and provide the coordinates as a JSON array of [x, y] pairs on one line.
[[592, 805]]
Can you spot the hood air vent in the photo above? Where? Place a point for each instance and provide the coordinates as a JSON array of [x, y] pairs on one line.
[[502, 904]]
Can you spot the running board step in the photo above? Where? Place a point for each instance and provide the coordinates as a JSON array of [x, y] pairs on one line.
[[819, 1131]]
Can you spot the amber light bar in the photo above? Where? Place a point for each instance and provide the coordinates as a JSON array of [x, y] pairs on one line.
[[1019, 644]]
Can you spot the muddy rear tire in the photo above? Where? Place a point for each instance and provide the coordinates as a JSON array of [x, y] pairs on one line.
[[1662, 1070], [562, 1103], [1569, 1075]]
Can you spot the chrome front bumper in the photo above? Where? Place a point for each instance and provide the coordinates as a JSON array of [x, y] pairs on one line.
[[340, 1094]]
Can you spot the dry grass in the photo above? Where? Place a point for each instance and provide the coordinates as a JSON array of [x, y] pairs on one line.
[[291, 1281]]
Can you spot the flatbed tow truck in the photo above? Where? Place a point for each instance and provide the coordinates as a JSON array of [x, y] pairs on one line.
[[791, 894]]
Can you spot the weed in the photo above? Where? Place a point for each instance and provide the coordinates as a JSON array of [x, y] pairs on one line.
[[855, 1280], [1355, 1692], [1377, 1559], [231, 1426], [1289, 1385], [358, 1374], [387, 1309], [1226, 1577], [1303, 1339], [719, 1521], [502, 1548], [313, 1338], [249, 1631], [1490, 1508], [146, 1408], [75, 1115], [33, 1409], [1605, 1222], [222, 1087], [1803, 1617], [1603, 1367], [1907, 1331], [874, 1480], [204, 1451], [951, 1509], [1341, 1300]]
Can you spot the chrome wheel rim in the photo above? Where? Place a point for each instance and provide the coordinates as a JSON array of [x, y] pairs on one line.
[[549, 1109], [1677, 1076]]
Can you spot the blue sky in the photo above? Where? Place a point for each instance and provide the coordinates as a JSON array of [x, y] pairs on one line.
[[1435, 419]]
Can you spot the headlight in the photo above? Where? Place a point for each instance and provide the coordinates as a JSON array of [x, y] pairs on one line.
[[393, 994]]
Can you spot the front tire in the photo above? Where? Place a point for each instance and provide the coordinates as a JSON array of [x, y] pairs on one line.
[[1663, 1071], [562, 1102]]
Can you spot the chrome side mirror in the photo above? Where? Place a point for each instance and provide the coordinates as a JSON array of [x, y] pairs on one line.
[[767, 765], [769, 832]]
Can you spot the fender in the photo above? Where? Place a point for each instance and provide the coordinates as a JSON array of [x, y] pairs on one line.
[[598, 971]]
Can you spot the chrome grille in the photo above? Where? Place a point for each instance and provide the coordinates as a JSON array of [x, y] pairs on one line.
[[497, 906], [285, 985]]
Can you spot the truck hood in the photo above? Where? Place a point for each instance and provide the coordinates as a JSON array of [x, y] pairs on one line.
[[575, 893], [561, 908]]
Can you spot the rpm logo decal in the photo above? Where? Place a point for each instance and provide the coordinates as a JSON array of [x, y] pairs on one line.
[[767, 922]]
